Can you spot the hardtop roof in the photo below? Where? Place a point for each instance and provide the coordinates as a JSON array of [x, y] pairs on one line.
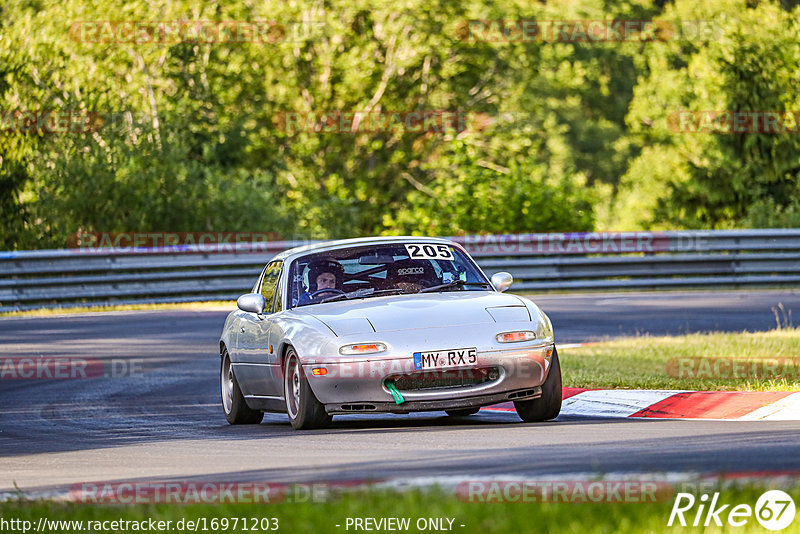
[[359, 241]]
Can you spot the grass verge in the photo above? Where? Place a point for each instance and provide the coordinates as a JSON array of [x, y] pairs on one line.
[[742, 361], [495, 517], [192, 306]]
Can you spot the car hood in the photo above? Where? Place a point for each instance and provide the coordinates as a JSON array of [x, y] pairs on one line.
[[430, 310]]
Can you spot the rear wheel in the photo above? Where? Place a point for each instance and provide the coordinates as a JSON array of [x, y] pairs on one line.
[[237, 412], [548, 405], [462, 412], [305, 411]]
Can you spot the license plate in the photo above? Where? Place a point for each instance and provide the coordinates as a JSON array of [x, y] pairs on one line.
[[439, 359]]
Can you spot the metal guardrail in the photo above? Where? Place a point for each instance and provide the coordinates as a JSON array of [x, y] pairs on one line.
[[538, 262]]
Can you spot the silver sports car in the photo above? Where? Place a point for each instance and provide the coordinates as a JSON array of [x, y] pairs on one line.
[[391, 324]]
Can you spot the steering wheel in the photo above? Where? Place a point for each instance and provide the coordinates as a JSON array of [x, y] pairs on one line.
[[326, 290]]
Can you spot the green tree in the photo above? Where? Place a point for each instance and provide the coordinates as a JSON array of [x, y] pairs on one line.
[[749, 61]]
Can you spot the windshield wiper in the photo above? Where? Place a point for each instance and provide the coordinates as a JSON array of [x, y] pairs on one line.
[[456, 283], [361, 294], [340, 296], [394, 290]]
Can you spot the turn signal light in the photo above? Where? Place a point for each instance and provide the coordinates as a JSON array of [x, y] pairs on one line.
[[319, 371], [514, 337], [362, 348]]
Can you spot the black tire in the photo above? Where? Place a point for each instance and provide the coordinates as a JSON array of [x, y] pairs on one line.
[[548, 405], [304, 410], [237, 412], [462, 412]]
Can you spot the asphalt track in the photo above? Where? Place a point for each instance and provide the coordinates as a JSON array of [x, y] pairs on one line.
[[164, 422]]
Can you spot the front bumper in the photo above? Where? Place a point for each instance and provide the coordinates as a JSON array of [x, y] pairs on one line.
[[433, 405], [348, 383]]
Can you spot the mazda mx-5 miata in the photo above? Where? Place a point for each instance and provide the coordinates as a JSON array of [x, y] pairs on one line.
[[384, 325]]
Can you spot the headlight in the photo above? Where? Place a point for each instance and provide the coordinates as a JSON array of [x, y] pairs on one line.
[[362, 348], [514, 337]]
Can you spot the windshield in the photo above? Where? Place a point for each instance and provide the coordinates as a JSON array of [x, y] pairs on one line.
[[378, 270]]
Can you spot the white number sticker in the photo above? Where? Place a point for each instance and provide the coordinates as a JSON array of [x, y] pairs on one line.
[[429, 252]]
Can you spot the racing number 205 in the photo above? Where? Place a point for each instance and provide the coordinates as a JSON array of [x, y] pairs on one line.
[[429, 252]]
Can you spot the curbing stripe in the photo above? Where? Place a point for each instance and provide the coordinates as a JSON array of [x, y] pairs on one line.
[[571, 392], [786, 409], [667, 404], [711, 404], [613, 402]]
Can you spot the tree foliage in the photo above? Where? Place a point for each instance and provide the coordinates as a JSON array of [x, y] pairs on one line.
[[561, 135], [749, 62]]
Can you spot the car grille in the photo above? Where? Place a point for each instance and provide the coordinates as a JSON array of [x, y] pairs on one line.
[[444, 378]]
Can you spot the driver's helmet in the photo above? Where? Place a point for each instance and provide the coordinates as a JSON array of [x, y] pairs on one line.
[[316, 268]]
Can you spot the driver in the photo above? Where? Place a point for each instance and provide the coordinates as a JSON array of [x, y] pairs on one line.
[[322, 275]]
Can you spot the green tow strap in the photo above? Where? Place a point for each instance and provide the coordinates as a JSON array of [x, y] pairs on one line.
[[398, 398]]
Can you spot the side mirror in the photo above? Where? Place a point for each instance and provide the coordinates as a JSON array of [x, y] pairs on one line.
[[252, 302], [502, 281]]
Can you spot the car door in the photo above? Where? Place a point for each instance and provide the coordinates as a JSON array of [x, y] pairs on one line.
[[253, 370], [274, 372], [239, 319]]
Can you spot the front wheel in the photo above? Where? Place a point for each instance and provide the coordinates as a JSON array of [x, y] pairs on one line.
[[237, 412], [305, 411], [548, 405]]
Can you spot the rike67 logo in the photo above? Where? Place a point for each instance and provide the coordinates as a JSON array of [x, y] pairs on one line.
[[774, 510]]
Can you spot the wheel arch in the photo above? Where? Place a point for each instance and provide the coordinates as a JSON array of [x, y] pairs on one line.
[[223, 349], [283, 348]]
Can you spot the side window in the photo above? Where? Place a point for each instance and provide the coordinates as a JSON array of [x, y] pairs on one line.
[[257, 285], [278, 298], [270, 282]]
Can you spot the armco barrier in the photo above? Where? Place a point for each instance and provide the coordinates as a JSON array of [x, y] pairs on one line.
[[538, 262]]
